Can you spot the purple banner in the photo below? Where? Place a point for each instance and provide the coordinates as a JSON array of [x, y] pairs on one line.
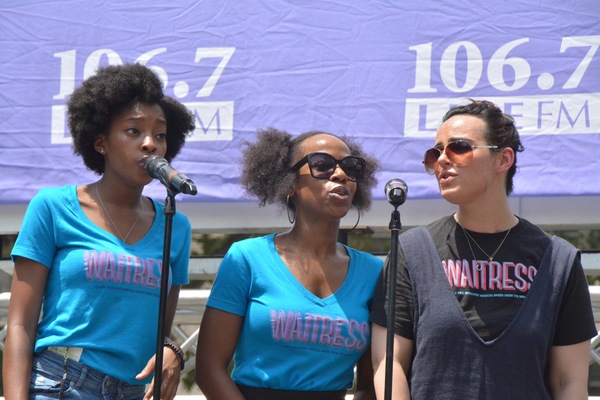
[[383, 72]]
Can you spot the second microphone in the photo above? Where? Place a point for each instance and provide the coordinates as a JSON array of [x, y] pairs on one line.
[[159, 168]]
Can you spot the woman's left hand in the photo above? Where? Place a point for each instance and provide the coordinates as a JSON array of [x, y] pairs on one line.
[[171, 372]]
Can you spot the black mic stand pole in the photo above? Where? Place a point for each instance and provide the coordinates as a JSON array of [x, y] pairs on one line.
[[164, 289], [395, 226]]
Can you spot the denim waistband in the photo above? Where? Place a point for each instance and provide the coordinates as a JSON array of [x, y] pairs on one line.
[[82, 381]]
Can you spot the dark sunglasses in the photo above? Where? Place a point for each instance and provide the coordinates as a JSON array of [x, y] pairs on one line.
[[459, 152], [322, 166]]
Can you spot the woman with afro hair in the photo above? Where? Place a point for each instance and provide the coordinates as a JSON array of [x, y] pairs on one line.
[[83, 312], [292, 308]]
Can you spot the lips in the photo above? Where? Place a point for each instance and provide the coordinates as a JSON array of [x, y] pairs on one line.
[[445, 176], [340, 191], [142, 161]]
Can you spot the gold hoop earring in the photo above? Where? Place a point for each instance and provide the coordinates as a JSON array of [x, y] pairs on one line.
[[291, 217]]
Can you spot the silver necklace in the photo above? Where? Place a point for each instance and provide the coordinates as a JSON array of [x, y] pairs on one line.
[[490, 257], [111, 220]]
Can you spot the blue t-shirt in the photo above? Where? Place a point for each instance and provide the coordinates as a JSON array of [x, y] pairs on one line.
[[101, 294], [292, 339]]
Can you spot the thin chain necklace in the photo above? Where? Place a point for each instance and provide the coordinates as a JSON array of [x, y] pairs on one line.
[[490, 257], [112, 222]]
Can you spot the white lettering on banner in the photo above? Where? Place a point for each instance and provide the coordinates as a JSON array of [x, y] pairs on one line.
[[214, 120], [497, 63], [508, 70], [59, 121], [534, 115]]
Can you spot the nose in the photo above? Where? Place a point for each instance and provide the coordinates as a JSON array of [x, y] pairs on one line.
[[443, 157], [148, 144], [442, 161], [338, 174]]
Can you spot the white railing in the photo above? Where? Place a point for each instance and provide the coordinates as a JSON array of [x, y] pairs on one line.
[[192, 302]]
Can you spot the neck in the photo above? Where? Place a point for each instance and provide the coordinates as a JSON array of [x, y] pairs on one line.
[[316, 238], [487, 219], [119, 194]]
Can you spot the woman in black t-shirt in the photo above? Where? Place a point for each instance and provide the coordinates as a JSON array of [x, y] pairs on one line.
[[491, 307]]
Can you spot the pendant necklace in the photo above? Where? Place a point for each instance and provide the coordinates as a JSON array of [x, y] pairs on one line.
[[124, 239], [490, 257]]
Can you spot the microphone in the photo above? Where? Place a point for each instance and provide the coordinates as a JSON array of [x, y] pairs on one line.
[[395, 191], [159, 168]]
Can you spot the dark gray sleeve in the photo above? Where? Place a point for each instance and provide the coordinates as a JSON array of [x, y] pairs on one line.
[[403, 325]]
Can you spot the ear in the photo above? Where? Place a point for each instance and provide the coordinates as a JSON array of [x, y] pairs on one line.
[[99, 144], [505, 158]]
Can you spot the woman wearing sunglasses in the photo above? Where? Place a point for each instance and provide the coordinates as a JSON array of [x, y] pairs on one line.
[[292, 308], [488, 306]]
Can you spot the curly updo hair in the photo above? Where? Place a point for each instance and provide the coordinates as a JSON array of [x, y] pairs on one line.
[[501, 130], [92, 107], [267, 172]]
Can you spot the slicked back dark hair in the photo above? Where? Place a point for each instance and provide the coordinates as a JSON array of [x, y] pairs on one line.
[[500, 130], [92, 107], [267, 175]]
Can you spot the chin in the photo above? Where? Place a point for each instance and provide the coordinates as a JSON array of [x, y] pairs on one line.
[[339, 213], [450, 196]]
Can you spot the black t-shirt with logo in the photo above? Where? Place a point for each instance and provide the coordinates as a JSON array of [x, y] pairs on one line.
[[491, 293]]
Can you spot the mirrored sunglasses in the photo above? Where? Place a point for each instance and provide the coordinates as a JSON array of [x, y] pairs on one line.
[[323, 166], [459, 152]]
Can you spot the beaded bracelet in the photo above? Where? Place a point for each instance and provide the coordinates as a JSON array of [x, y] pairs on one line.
[[177, 352]]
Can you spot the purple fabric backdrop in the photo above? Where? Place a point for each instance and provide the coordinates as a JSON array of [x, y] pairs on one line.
[[383, 72]]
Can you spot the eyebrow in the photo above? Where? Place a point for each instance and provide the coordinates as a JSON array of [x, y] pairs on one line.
[[454, 139], [136, 119]]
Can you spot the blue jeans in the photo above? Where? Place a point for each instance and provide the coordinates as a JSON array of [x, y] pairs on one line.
[[82, 382]]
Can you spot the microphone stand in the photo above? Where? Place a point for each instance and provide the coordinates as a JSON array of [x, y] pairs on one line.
[[169, 211], [395, 226]]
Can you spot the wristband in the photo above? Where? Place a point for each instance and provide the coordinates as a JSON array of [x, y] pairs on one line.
[[177, 352]]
